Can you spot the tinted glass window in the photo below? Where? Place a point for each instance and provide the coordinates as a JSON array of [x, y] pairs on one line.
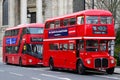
[[12, 49], [65, 46], [66, 22], [105, 20], [71, 46], [33, 31], [54, 46], [12, 32], [103, 45], [57, 24], [92, 19], [92, 45], [72, 21]]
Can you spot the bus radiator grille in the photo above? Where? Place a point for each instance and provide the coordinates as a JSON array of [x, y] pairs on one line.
[[101, 63]]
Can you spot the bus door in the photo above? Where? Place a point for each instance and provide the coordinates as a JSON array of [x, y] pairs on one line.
[[77, 48]]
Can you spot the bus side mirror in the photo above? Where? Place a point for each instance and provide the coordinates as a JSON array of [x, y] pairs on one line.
[[24, 48]]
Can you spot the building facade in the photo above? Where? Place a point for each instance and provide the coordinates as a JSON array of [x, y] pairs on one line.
[[15, 12]]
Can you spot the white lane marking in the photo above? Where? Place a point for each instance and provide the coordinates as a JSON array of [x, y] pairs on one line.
[[62, 78], [40, 69], [2, 71], [109, 77], [35, 78], [16, 74], [54, 71]]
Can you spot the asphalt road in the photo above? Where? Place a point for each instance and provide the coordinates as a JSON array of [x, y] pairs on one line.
[[13, 72]]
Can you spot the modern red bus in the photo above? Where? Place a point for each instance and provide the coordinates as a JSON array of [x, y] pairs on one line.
[[80, 41], [23, 44]]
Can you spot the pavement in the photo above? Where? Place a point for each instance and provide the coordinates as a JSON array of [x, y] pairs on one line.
[[117, 69]]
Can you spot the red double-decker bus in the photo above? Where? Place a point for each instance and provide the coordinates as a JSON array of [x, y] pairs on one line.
[[80, 41], [23, 44]]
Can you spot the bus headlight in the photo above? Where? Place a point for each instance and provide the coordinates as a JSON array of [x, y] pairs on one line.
[[112, 61], [88, 61], [30, 60]]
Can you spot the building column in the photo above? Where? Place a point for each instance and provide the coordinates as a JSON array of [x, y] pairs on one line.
[[23, 9], [1, 2], [61, 4], [39, 15], [70, 6], [11, 13]]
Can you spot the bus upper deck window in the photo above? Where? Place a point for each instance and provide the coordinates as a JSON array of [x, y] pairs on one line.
[[72, 21], [66, 22], [57, 24], [105, 20], [80, 20], [47, 25], [52, 25], [92, 19]]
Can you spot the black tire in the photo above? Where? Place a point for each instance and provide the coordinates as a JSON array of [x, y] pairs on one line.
[[110, 70], [6, 60], [80, 68], [20, 62], [51, 65]]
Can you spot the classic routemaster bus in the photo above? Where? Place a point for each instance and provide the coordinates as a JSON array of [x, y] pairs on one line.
[[80, 41], [23, 44]]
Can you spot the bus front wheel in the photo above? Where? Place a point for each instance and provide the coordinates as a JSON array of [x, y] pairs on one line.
[[51, 64], [110, 70], [6, 60], [80, 68], [20, 62]]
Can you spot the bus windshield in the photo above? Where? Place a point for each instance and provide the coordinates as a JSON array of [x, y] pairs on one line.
[[106, 20], [92, 45], [34, 30], [95, 20], [95, 46], [92, 19]]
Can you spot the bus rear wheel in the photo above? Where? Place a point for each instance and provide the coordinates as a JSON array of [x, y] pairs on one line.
[[110, 70], [51, 64], [80, 68]]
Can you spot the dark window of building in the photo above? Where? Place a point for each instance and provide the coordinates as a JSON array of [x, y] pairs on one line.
[[33, 17], [5, 12]]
